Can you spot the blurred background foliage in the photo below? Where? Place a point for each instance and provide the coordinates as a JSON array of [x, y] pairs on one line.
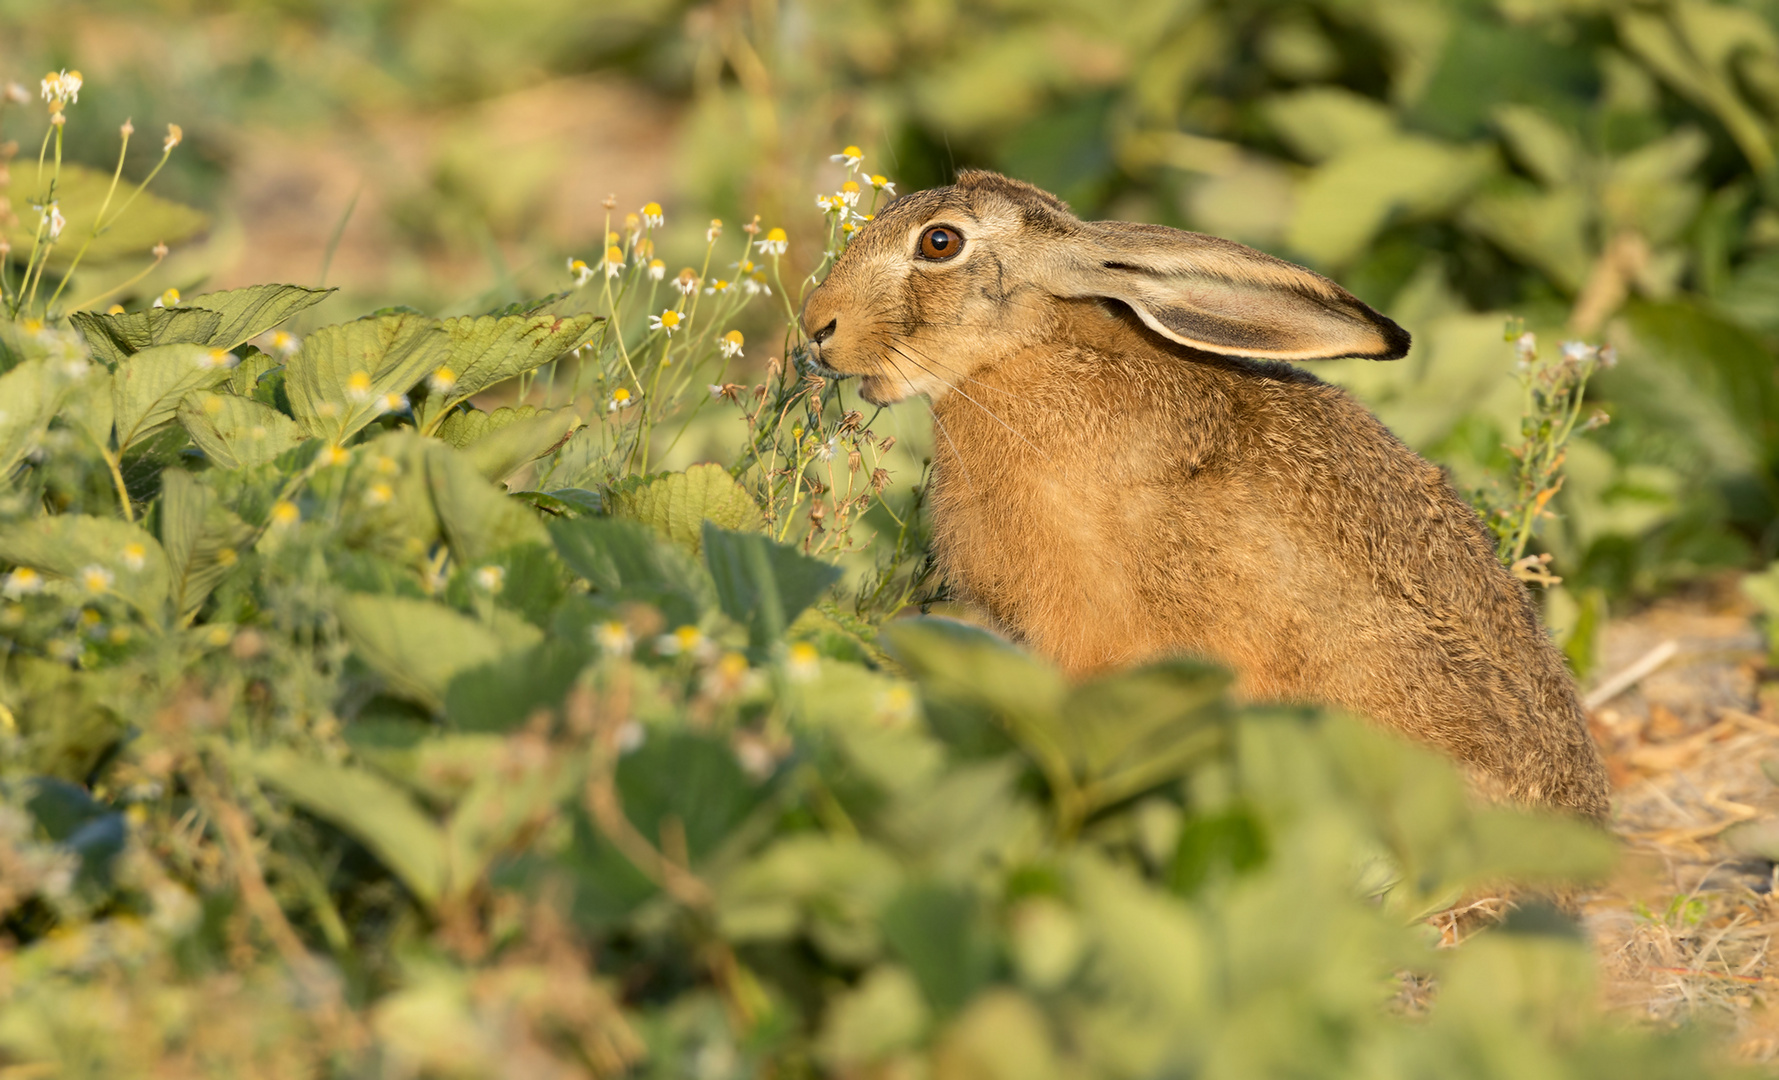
[[1599, 168]]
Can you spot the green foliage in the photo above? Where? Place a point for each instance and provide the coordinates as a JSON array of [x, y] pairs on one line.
[[351, 712]]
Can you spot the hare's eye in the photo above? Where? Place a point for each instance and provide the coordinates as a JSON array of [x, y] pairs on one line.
[[940, 242]]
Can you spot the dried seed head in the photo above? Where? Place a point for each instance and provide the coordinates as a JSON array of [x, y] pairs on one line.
[[880, 479]]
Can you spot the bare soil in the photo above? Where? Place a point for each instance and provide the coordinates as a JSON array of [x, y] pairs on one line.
[[1685, 929]]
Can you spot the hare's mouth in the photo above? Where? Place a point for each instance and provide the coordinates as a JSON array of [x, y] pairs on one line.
[[810, 361]]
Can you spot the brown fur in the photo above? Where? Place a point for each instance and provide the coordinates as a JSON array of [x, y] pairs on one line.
[[1110, 493]]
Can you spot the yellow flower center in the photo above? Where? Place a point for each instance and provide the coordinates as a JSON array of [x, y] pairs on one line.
[[620, 394]]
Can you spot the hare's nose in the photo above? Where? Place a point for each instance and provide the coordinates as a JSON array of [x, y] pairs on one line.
[[825, 332]]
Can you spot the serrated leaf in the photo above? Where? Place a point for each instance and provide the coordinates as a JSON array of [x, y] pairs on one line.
[[202, 538], [122, 558], [419, 646], [147, 388], [246, 313], [80, 192], [254, 365], [501, 441], [486, 350], [237, 432], [379, 814], [677, 505], [115, 338], [339, 380], [762, 584]]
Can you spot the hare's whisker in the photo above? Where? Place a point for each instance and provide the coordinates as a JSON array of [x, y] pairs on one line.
[[986, 411]]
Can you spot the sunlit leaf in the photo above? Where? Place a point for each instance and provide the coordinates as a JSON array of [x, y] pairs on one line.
[[148, 387], [237, 432], [344, 376], [678, 504]]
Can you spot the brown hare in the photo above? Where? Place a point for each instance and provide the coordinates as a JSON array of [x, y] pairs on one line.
[[1123, 470]]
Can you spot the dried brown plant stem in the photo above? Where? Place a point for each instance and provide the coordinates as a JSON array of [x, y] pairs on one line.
[[340, 1025]]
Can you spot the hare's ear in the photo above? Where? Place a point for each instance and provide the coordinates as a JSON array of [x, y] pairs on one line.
[[1222, 297]]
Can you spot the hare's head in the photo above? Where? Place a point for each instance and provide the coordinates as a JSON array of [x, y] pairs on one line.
[[946, 280]]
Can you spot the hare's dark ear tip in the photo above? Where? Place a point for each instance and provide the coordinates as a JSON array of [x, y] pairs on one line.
[[1396, 339]]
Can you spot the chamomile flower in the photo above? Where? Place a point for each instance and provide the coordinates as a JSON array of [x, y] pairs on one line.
[[21, 582], [358, 386], [490, 579], [614, 638], [730, 345], [883, 183], [134, 555], [827, 204], [442, 380], [802, 663], [686, 639], [743, 268], [1577, 351], [848, 157], [717, 286], [715, 230], [775, 243], [62, 87], [285, 343], [218, 358], [657, 269], [52, 214], [333, 455], [285, 513], [667, 322], [581, 271], [389, 403], [620, 399], [652, 216], [614, 261], [378, 494], [96, 579], [848, 193], [687, 281], [168, 299], [755, 285]]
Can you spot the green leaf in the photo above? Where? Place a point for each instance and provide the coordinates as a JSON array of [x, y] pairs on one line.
[[245, 314], [478, 519], [629, 560], [124, 559], [148, 387], [501, 441], [343, 376], [237, 432], [30, 394], [501, 696], [486, 350], [115, 338], [374, 811], [1131, 731], [761, 584], [940, 933], [419, 646], [80, 192], [202, 539], [677, 505]]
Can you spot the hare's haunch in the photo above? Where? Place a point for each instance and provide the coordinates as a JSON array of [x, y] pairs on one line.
[[1123, 470]]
